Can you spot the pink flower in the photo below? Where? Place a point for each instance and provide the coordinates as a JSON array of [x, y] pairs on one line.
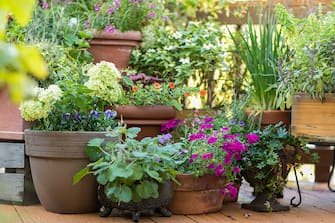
[[110, 11], [97, 8], [219, 170], [252, 138], [210, 166], [232, 190], [45, 5], [206, 126], [207, 156], [152, 14], [236, 169], [110, 29], [194, 156], [165, 18], [212, 140], [87, 24], [152, 6]]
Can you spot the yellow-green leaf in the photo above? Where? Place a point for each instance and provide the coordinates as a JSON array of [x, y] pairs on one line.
[[32, 61], [20, 9]]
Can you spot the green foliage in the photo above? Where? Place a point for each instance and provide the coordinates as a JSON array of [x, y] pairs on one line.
[[193, 52], [268, 157], [311, 68], [130, 169], [261, 48], [123, 15]]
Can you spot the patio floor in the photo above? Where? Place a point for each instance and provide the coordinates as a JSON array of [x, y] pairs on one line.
[[318, 205]]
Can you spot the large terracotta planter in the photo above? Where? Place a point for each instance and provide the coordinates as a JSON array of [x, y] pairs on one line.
[[197, 195], [11, 123], [271, 117], [54, 158], [114, 47], [148, 118]]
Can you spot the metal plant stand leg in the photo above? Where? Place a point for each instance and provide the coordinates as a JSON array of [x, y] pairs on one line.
[[299, 192], [331, 174]]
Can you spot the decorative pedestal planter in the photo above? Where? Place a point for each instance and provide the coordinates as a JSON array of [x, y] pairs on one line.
[[114, 47], [143, 206], [197, 195], [148, 118], [55, 157]]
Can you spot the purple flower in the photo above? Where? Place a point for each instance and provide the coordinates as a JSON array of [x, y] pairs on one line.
[[195, 156], [110, 11], [95, 113], [194, 137], [183, 151], [110, 114], [206, 126], [241, 123], [66, 116], [152, 6], [152, 14], [190, 160], [252, 138], [207, 156], [171, 124], [208, 119], [233, 122], [227, 159], [161, 140], [110, 29], [158, 159], [232, 190], [117, 4], [210, 166], [165, 18], [219, 170], [97, 8], [45, 5], [236, 169], [212, 140], [87, 24], [167, 136]]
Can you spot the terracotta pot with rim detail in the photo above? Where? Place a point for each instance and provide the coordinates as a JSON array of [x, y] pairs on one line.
[[114, 47], [55, 157], [270, 117], [148, 117], [200, 195]]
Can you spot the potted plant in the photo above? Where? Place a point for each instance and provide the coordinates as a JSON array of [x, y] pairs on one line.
[[64, 117], [208, 163], [143, 101], [180, 54], [115, 25], [262, 49], [307, 78], [134, 175], [266, 163]]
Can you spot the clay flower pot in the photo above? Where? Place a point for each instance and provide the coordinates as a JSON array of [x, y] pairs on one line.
[[200, 195], [270, 117], [114, 47], [55, 157], [148, 117]]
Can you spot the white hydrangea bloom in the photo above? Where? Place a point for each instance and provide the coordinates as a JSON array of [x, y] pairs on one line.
[[104, 81], [32, 110]]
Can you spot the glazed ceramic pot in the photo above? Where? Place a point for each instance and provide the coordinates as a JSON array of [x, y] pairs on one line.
[[55, 157]]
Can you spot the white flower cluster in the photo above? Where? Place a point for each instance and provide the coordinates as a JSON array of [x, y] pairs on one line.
[[104, 81], [42, 103]]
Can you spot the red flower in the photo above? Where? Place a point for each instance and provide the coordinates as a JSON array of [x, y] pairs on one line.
[[157, 85], [172, 85], [203, 93], [134, 88]]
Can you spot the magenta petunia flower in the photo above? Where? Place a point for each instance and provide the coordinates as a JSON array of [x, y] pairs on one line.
[[212, 140], [208, 119], [117, 4], [207, 156], [152, 6], [210, 166], [110, 11], [206, 126], [195, 156], [236, 169], [232, 190], [45, 5], [87, 24], [252, 138]]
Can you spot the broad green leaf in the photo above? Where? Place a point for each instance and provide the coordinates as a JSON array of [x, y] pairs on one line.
[[119, 170], [133, 132], [154, 174], [96, 142], [79, 175], [147, 189], [93, 152], [110, 190], [137, 173], [139, 154], [102, 178], [125, 194], [127, 81]]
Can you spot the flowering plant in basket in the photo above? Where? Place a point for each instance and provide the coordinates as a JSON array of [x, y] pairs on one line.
[[209, 149]]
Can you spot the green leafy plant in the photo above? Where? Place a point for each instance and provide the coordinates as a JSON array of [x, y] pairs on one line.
[[262, 48], [129, 169], [311, 66], [194, 52], [265, 159], [124, 15]]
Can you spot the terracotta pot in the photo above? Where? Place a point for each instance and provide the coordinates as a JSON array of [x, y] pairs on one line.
[[54, 158], [114, 47], [270, 117], [11, 123], [148, 118], [197, 195]]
